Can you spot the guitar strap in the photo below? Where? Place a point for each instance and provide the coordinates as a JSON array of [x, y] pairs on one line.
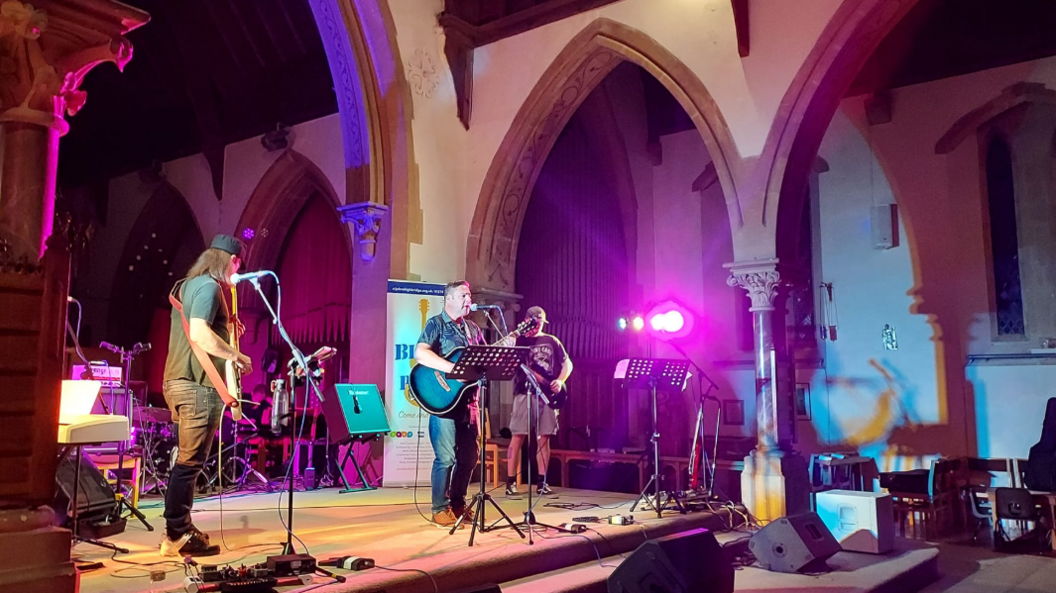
[[203, 358]]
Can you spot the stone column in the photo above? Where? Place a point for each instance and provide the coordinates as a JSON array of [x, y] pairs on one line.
[[371, 231], [46, 49], [774, 482], [43, 59]]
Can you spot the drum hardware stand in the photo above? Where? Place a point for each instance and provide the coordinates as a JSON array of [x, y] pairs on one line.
[[656, 375], [482, 364]]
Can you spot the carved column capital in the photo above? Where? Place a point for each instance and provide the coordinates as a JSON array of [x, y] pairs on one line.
[[365, 218], [760, 279], [45, 57]]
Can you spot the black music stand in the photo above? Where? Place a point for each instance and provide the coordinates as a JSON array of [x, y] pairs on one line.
[[482, 364], [656, 375]]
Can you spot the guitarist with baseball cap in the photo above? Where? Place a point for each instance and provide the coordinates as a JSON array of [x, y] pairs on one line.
[[195, 387], [551, 366]]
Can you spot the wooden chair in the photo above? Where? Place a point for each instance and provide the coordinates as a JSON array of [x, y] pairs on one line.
[[923, 498], [132, 464]]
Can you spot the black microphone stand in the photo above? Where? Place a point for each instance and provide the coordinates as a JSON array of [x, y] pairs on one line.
[[126, 358], [531, 399], [310, 385]]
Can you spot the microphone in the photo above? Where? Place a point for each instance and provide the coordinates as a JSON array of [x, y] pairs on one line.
[[280, 405], [140, 347], [476, 307], [110, 347], [236, 278]]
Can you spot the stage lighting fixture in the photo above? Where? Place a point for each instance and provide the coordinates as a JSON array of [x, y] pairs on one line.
[[621, 323], [638, 323], [670, 320]]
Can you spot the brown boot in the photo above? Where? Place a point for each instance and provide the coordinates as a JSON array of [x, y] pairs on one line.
[[445, 519]]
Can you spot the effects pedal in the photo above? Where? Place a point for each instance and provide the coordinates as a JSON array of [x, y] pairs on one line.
[[621, 520]]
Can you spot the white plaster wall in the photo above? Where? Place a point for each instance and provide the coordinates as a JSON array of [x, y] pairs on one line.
[[441, 144], [858, 403], [454, 162], [939, 273]]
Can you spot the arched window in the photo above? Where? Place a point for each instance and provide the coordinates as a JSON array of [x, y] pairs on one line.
[[1004, 239]]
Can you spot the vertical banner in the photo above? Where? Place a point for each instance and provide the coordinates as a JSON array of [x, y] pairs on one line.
[[410, 304]]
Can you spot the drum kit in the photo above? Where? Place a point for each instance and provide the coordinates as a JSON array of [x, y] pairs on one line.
[[157, 435]]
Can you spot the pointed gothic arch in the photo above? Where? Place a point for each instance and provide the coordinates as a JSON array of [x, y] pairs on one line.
[[491, 250], [280, 195], [808, 106], [163, 243]]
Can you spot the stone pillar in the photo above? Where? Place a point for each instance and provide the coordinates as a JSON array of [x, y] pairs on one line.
[[43, 59], [46, 49], [774, 482], [368, 325]]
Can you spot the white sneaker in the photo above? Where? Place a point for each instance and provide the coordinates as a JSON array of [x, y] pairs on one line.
[[172, 548]]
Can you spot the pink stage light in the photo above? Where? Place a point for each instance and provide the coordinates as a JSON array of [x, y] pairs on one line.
[[670, 320]]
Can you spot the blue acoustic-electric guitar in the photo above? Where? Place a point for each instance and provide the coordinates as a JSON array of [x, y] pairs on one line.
[[438, 395]]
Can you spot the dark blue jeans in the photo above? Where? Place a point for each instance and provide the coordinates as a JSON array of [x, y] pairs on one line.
[[455, 445], [197, 410]]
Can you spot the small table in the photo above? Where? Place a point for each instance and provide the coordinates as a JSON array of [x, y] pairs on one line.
[[830, 468]]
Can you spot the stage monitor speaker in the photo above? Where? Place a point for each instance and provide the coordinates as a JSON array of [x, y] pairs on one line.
[[688, 562], [95, 496], [355, 412], [797, 543]]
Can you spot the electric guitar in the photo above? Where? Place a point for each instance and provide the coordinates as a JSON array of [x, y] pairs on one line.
[[553, 399], [231, 372], [438, 395]]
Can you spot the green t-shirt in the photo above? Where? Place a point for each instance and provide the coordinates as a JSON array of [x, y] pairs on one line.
[[202, 298]]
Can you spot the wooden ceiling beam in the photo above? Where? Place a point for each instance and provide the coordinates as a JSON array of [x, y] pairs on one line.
[[740, 20]]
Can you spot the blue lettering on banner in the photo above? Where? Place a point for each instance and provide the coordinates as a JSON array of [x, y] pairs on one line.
[[405, 351], [420, 288], [404, 380]]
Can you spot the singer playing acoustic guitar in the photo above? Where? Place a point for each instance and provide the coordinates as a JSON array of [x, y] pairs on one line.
[[194, 384], [453, 436]]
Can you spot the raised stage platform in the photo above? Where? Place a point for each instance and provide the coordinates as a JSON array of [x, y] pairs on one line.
[[384, 525]]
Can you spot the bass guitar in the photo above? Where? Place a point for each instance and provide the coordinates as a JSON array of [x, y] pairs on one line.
[[438, 395]]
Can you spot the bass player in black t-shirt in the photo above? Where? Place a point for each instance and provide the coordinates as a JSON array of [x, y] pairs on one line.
[[551, 367]]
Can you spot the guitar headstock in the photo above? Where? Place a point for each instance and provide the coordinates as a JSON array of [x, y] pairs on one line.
[[525, 326]]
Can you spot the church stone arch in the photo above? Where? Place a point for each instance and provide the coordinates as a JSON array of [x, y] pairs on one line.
[[280, 195], [846, 43], [579, 68]]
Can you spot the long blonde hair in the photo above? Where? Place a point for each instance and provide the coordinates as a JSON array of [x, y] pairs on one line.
[[214, 263]]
